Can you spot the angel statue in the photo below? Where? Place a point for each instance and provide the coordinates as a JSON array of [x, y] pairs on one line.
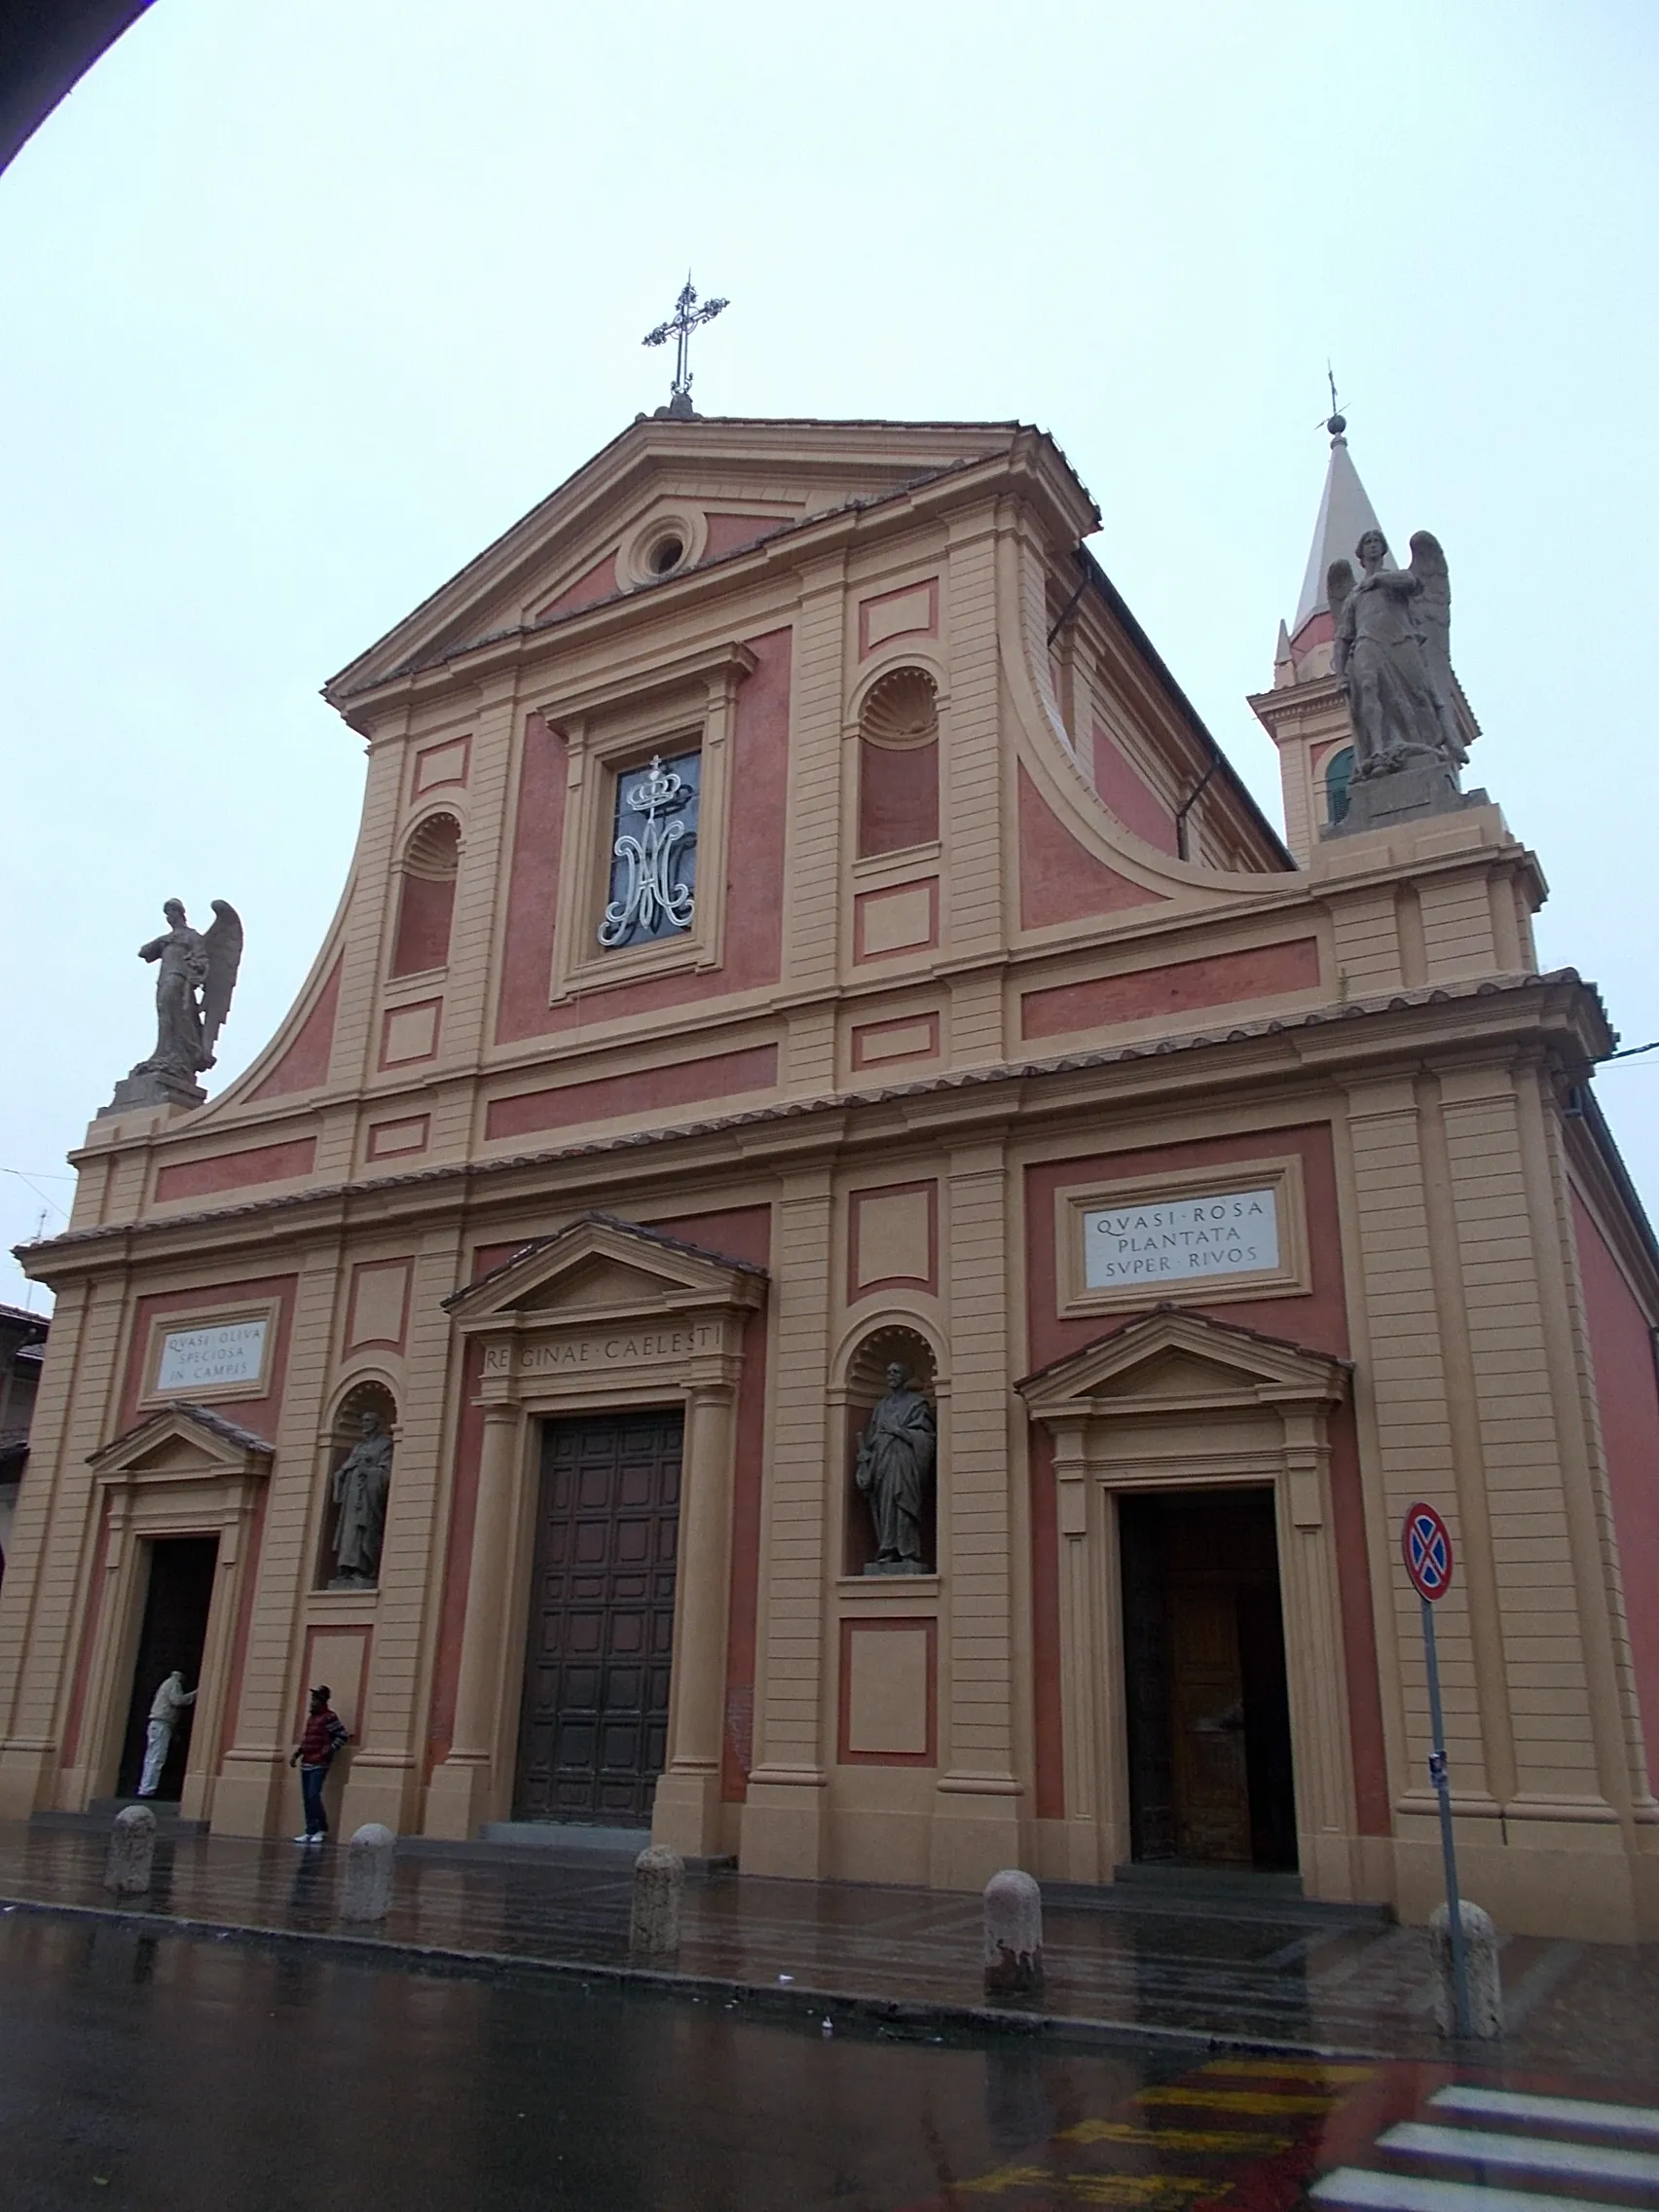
[[1393, 656], [197, 974]]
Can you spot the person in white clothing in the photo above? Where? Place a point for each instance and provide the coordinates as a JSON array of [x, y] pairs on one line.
[[168, 1702]]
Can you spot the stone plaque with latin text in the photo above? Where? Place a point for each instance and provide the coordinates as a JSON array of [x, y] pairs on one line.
[[1222, 1235], [208, 1360]]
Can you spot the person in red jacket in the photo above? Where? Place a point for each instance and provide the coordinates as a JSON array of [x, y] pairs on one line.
[[314, 1755]]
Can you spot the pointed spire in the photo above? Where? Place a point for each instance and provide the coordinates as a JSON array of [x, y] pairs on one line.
[[1345, 514], [1284, 668]]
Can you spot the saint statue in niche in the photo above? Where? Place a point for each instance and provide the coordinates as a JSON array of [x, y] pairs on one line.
[[360, 1489], [894, 1470]]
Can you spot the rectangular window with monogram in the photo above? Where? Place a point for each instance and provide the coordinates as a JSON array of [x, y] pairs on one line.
[[653, 884]]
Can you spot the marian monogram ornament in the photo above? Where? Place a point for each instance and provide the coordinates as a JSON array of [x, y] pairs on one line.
[[652, 897]]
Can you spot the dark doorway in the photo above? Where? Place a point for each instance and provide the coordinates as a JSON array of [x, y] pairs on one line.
[[176, 1603], [1211, 1777], [592, 1728]]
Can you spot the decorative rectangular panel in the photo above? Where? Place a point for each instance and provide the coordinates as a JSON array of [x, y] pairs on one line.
[[911, 610], [1223, 979], [879, 1043], [893, 1237], [237, 1170], [389, 1139], [438, 764], [901, 919], [409, 1033], [889, 1693], [380, 1304], [337, 1659]]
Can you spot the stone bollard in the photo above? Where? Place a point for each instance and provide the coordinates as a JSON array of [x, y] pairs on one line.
[[368, 1874], [653, 1928], [1480, 1960], [131, 1852], [1014, 1936]]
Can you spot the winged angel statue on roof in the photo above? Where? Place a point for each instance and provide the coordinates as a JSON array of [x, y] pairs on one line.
[[1393, 656], [197, 976]]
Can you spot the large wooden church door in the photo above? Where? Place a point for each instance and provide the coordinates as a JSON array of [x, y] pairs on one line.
[[593, 1727]]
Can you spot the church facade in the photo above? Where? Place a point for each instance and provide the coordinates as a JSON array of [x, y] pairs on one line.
[[845, 1258]]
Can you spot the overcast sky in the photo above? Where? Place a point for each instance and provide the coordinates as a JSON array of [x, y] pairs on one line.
[[304, 304]]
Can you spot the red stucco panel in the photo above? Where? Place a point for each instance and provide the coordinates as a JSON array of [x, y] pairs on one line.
[[305, 1064], [1059, 880]]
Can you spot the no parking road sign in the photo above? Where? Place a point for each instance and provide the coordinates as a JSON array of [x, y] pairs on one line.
[[1426, 1542]]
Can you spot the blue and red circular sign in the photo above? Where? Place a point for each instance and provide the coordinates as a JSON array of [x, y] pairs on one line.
[[1426, 1542]]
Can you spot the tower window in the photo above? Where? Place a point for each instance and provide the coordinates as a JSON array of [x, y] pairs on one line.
[[1339, 773]]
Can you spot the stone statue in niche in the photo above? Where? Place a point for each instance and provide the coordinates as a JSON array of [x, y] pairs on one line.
[[360, 1489], [196, 977], [894, 1471], [1392, 657]]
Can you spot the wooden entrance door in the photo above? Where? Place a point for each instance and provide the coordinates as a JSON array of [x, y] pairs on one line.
[[1212, 1801], [1205, 1706], [592, 1728]]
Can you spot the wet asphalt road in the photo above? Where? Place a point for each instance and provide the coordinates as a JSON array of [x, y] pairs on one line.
[[168, 2073], [145, 2073]]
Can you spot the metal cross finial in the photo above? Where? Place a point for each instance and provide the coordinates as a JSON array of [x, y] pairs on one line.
[[685, 318], [1337, 422]]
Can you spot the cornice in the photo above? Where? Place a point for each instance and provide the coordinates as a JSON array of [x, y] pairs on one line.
[[1532, 1015]]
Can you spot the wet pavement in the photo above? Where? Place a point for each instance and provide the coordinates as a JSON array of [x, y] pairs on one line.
[[142, 2071], [1266, 1972]]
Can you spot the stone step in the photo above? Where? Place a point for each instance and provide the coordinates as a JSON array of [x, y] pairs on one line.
[[99, 1818], [566, 1838]]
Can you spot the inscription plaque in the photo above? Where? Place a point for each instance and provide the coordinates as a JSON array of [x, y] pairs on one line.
[[202, 1359], [1225, 1234]]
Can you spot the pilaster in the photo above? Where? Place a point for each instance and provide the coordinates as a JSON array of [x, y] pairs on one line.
[[784, 1812], [686, 1815], [977, 1813], [384, 1777]]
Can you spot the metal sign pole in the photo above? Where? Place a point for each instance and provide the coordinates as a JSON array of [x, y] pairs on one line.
[[1448, 1845]]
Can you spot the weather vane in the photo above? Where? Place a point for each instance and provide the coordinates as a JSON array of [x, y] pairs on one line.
[[686, 318]]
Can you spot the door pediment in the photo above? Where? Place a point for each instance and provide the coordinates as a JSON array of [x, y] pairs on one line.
[[599, 1269], [183, 1444], [1174, 1358]]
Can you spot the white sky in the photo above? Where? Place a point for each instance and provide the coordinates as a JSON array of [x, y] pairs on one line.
[[304, 304]]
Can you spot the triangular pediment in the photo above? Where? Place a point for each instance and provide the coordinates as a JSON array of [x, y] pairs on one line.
[[602, 1267], [744, 479], [1176, 1357], [183, 1442]]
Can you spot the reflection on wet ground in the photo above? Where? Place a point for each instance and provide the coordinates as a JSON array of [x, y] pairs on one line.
[[143, 2070], [1264, 1971]]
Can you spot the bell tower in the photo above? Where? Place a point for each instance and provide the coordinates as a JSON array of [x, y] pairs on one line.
[[1305, 713]]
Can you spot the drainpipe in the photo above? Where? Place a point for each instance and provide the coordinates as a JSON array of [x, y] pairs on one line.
[[1070, 607], [1187, 805]]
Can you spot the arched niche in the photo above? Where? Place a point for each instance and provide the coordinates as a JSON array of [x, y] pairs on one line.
[[425, 898], [892, 1344], [899, 764], [370, 1395]]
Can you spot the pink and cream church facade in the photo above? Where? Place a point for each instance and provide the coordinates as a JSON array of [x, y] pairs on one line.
[[800, 929]]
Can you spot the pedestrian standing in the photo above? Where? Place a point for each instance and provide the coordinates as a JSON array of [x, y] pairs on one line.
[[314, 1755], [169, 1703]]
